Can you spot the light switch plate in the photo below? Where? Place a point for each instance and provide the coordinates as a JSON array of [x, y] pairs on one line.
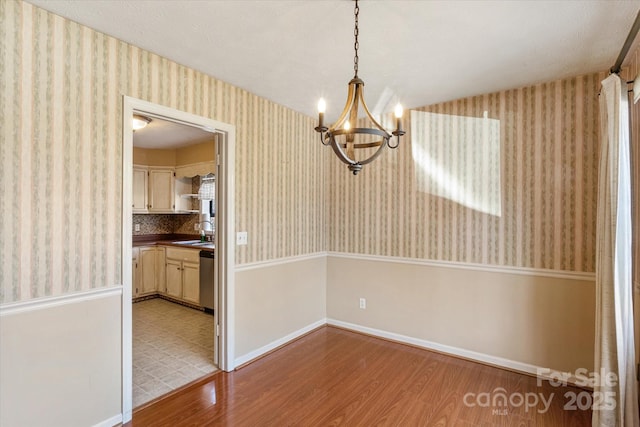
[[241, 238]]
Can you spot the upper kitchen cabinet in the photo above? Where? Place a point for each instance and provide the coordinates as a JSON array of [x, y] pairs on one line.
[[158, 190], [140, 189], [161, 190]]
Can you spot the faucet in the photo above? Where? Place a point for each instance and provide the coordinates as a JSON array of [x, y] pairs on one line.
[[204, 232]]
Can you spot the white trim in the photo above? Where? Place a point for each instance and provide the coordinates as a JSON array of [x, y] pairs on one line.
[[279, 342], [110, 422], [558, 274], [225, 239], [226, 260], [128, 104], [279, 261], [50, 302], [460, 352]]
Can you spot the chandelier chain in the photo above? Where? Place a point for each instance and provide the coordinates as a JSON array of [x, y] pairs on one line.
[[356, 45]]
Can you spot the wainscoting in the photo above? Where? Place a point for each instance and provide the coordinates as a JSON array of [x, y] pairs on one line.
[[62, 353], [517, 318]]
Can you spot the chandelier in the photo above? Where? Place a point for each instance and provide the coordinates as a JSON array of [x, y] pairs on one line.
[[341, 135]]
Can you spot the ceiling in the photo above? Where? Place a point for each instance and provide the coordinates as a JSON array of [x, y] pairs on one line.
[[418, 52], [165, 134]]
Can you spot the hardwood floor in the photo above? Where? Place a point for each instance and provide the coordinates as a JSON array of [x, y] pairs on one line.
[[337, 377]]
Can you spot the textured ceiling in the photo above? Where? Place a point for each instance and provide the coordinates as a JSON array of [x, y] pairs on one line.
[[163, 134], [420, 52]]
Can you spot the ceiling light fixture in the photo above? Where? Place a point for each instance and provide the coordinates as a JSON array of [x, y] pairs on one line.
[[346, 125], [140, 122]]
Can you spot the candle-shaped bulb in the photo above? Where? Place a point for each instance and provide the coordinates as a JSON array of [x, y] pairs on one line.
[[321, 105], [347, 125], [399, 132], [399, 111], [321, 108]]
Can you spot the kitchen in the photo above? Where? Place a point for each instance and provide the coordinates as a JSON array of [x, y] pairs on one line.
[[173, 256]]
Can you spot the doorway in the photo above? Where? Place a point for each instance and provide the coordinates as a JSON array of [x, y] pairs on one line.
[[224, 135]]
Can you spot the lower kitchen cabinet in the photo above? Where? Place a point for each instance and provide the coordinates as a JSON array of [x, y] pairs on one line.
[[148, 270], [191, 282], [161, 271], [174, 277], [135, 272], [183, 274]]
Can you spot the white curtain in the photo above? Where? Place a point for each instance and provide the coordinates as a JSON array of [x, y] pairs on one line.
[[614, 349]]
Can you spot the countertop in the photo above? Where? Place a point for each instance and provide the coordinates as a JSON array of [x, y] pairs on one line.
[[169, 240]]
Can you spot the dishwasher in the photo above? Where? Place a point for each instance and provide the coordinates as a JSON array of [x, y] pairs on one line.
[[207, 281]]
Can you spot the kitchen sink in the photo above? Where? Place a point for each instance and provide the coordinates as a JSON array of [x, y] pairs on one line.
[[195, 243], [208, 245]]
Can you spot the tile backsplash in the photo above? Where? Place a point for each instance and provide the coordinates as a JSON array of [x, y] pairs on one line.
[[164, 224]]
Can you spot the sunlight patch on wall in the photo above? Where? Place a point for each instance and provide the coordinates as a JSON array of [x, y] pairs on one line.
[[458, 158]]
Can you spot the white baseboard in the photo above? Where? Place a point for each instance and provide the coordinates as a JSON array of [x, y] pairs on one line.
[[537, 371], [110, 422], [241, 360]]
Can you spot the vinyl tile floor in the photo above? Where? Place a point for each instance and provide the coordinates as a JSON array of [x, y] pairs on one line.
[[172, 346]]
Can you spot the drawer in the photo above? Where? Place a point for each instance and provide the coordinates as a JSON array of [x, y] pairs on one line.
[[189, 255]]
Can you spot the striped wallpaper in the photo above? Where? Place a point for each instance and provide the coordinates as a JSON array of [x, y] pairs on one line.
[[548, 174], [61, 153]]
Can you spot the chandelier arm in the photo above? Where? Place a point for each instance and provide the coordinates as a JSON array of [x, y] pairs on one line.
[[367, 131], [393, 146], [347, 108], [366, 144], [340, 153], [368, 113], [324, 139], [371, 158]]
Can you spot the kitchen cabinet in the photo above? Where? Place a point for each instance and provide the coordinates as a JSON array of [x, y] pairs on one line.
[[183, 274], [191, 282], [157, 190], [140, 189], [161, 190], [174, 277], [161, 271], [135, 272], [148, 265], [148, 270]]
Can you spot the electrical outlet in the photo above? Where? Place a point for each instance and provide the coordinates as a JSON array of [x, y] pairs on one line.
[[363, 303], [136, 227], [196, 227], [241, 238]]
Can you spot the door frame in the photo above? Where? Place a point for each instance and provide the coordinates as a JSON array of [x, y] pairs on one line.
[[225, 230]]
